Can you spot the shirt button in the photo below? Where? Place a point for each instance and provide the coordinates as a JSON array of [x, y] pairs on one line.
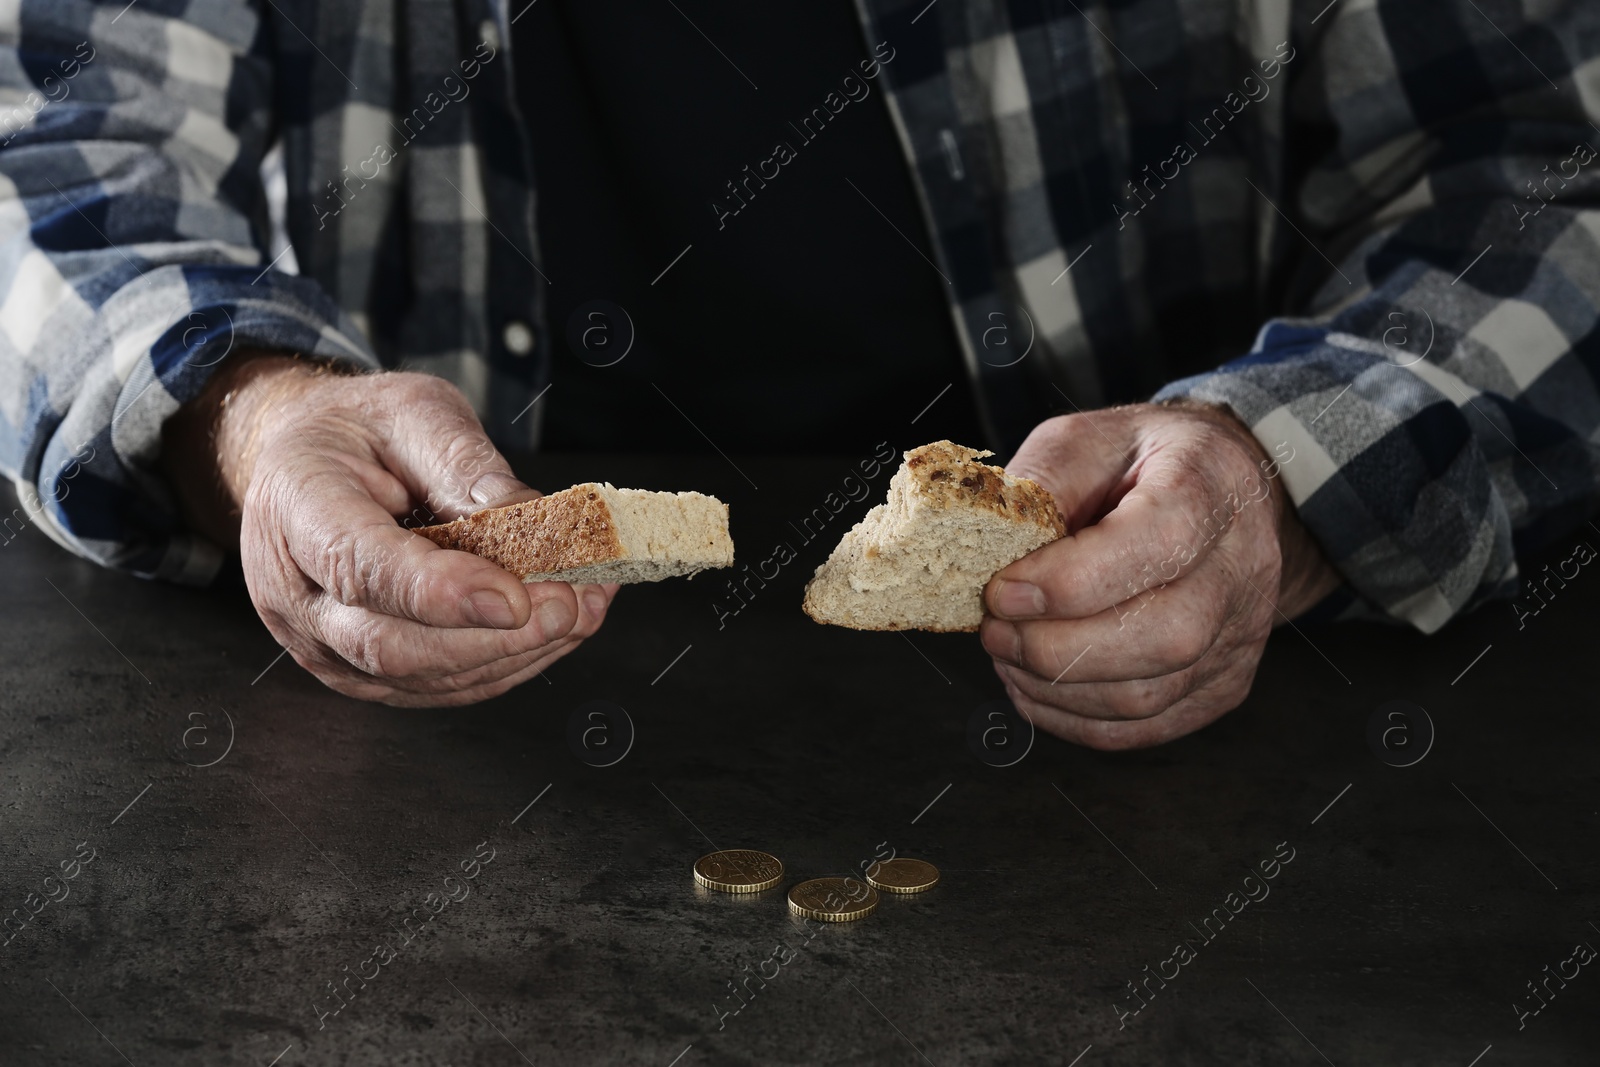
[[489, 34], [518, 338]]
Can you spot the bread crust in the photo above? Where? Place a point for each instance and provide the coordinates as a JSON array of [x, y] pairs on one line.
[[936, 481], [572, 528], [951, 475]]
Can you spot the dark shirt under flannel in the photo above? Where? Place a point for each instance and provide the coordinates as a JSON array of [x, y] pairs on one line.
[[1369, 228]]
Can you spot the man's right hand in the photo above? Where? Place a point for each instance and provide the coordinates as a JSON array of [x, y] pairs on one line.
[[307, 474]]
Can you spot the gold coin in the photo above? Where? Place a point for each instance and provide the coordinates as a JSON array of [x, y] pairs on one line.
[[738, 870], [833, 900], [903, 875]]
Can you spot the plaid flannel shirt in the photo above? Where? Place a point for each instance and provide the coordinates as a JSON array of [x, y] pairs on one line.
[[1365, 226]]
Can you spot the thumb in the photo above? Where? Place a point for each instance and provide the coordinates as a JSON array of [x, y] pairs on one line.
[[1147, 517]]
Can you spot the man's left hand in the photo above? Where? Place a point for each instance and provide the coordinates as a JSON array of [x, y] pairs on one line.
[[1148, 619]]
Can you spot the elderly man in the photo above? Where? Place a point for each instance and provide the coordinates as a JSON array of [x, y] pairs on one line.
[[1336, 263]]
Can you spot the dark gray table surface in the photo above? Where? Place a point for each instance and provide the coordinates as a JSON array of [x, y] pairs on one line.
[[224, 901]]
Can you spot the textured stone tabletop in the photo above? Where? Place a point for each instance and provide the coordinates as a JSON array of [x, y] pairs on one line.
[[203, 848]]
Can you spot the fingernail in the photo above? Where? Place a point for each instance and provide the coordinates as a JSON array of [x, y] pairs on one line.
[[492, 609], [555, 619], [594, 603], [1000, 640], [1018, 600], [495, 486]]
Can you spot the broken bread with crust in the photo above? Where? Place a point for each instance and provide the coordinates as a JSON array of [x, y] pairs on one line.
[[595, 532], [920, 560]]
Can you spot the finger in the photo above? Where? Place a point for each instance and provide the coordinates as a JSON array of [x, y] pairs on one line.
[[330, 665], [437, 447], [448, 686], [1103, 734], [1194, 711], [452, 691], [350, 546], [1141, 698], [1159, 529], [408, 655], [595, 600], [456, 698], [384, 488], [1178, 495], [400, 650], [1167, 628], [593, 604]]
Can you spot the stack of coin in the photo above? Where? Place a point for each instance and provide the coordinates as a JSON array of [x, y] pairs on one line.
[[824, 899]]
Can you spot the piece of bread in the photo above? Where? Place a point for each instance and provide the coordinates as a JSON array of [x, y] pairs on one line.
[[921, 560], [596, 532]]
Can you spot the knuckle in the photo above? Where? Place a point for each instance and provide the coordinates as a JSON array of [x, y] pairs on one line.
[[357, 565], [325, 664], [296, 632], [269, 498], [1034, 711], [1081, 590], [587, 626], [1001, 640], [1053, 427], [420, 590], [414, 385], [463, 687], [1125, 703], [469, 453], [1140, 699], [455, 684], [1040, 447], [1037, 650], [375, 650], [1182, 646], [343, 573], [495, 688]]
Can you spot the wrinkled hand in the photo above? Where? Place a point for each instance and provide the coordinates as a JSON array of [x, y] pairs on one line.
[[1182, 552], [314, 469]]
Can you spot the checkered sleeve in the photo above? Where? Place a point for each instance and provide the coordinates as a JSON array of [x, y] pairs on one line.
[[132, 223], [1437, 390]]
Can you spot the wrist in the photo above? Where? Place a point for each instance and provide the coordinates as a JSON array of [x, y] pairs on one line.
[[1235, 429], [211, 443], [248, 408], [1306, 576]]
